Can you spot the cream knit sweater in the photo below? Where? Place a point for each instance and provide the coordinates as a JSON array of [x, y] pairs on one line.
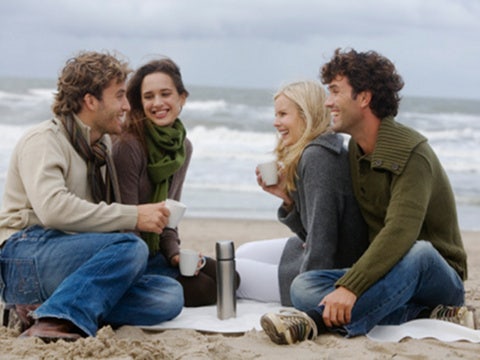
[[47, 185]]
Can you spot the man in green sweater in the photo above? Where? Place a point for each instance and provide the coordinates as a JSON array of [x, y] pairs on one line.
[[415, 264]]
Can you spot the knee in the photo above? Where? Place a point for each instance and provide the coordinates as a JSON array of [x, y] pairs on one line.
[[137, 248], [309, 288], [168, 303], [421, 253], [130, 249], [299, 284], [421, 259], [243, 250], [174, 299], [141, 249], [422, 248], [302, 293], [198, 291]]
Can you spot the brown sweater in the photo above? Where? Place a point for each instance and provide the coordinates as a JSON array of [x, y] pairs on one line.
[[135, 185]]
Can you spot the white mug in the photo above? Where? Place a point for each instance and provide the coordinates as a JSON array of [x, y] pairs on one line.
[[269, 172], [177, 209], [191, 262]]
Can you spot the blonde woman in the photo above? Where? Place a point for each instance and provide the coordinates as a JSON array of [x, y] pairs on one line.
[[318, 203]]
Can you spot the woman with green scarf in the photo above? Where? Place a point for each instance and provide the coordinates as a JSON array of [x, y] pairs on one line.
[[152, 157]]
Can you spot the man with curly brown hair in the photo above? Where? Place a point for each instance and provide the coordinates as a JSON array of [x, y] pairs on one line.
[[415, 264], [67, 266]]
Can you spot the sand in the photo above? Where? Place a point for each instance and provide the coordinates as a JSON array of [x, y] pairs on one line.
[[201, 234]]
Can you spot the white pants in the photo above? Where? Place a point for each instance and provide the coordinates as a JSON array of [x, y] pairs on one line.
[[257, 263]]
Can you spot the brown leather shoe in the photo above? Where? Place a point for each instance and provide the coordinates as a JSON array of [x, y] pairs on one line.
[[23, 313], [51, 330]]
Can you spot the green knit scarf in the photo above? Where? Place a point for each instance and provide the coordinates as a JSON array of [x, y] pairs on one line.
[[166, 154]]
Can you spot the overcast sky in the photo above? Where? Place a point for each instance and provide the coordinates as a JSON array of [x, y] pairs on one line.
[[435, 44]]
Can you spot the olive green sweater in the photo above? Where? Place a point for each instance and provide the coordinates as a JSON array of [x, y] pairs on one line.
[[404, 195]]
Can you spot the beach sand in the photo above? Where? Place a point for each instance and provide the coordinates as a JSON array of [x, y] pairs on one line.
[[201, 234]]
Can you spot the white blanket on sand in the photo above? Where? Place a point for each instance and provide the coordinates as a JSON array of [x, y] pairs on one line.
[[205, 318], [249, 313]]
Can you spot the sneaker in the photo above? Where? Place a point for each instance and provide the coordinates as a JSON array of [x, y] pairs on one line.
[[461, 315], [289, 326]]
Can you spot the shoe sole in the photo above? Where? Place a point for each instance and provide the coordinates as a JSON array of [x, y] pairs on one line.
[[473, 315], [52, 339], [270, 326]]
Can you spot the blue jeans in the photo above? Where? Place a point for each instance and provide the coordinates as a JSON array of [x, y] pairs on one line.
[[90, 279], [421, 280]]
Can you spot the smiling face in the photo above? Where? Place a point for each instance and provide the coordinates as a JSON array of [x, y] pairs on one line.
[[288, 120], [109, 112], [346, 111], [161, 101]]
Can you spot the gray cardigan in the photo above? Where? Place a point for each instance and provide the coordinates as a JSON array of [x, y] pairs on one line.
[[330, 231]]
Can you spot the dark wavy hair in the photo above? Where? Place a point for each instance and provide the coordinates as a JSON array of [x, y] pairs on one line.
[[87, 73], [367, 71], [134, 122]]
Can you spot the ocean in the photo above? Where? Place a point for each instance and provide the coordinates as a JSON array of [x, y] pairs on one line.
[[231, 131]]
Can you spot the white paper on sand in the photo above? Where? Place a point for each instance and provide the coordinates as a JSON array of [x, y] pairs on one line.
[[249, 313], [424, 328]]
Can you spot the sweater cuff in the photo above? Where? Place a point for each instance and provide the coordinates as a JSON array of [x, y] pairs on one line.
[[169, 243], [356, 282]]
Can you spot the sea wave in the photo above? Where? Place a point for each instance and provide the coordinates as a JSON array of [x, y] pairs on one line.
[[444, 120], [232, 131], [222, 142], [32, 97], [207, 106]]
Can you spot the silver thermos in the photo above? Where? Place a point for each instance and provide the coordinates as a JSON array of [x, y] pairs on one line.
[[226, 298]]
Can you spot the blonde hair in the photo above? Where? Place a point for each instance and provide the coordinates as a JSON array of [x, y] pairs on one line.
[[309, 98]]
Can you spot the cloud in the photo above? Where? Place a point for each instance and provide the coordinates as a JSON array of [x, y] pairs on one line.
[[213, 19], [249, 42]]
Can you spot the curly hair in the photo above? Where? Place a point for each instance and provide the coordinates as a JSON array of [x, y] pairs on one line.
[[134, 122], [367, 71], [87, 73]]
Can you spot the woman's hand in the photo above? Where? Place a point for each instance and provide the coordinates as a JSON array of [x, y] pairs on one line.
[[201, 263], [277, 189], [175, 260]]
